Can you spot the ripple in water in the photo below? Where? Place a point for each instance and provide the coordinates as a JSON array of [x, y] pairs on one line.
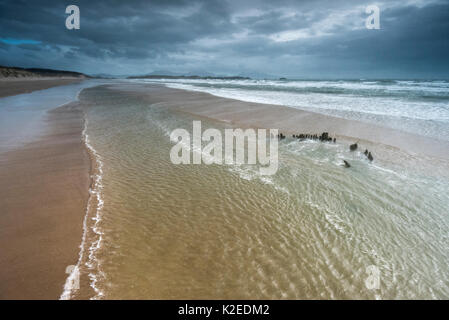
[[222, 232]]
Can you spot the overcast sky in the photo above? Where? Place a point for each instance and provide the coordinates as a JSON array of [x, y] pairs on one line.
[[298, 39]]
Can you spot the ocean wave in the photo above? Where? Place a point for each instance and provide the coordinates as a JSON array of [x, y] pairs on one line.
[[416, 107]]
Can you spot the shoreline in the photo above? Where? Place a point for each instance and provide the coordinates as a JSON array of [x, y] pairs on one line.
[[45, 187], [15, 86], [91, 238]]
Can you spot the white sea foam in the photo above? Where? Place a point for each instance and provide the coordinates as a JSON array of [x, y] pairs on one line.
[[74, 276], [92, 262]]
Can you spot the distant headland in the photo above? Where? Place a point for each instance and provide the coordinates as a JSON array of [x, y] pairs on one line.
[[161, 76]]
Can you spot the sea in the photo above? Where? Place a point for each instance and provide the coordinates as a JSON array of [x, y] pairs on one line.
[[314, 230]]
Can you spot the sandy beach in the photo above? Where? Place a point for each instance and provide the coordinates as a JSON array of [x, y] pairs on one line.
[[11, 87], [44, 188], [45, 191]]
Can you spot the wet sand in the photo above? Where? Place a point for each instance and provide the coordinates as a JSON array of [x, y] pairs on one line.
[[44, 188], [11, 87]]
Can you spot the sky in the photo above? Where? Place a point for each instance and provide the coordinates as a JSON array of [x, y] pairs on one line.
[[257, 38]]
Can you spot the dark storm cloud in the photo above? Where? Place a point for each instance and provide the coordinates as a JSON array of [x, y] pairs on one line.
[[293, 38]]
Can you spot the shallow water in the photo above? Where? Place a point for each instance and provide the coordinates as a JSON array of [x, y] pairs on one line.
[[167, 231], [22, 116]]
